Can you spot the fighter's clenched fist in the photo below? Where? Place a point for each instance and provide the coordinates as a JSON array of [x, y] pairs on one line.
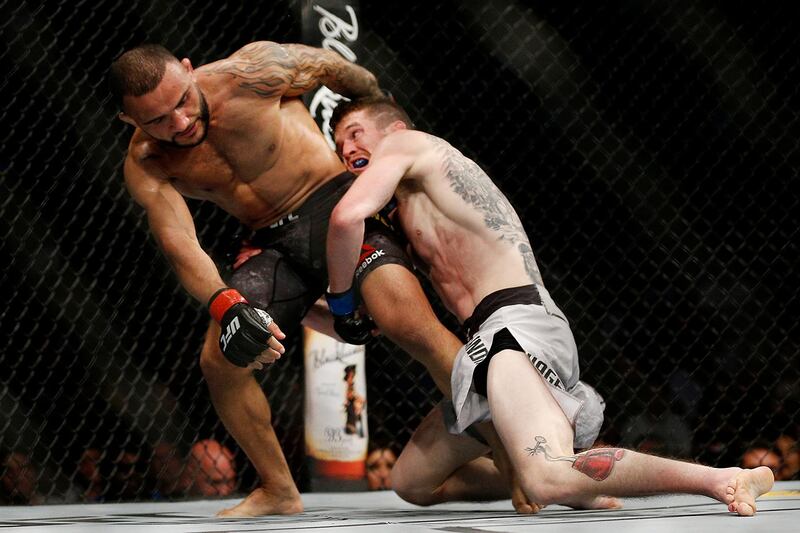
[[248, 334]]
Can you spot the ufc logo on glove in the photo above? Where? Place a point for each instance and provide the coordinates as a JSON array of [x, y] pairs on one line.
[[244, 329], [233, 327]]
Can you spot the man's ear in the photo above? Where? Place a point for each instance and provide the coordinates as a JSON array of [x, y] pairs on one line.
[[397, 125], [126, 118]]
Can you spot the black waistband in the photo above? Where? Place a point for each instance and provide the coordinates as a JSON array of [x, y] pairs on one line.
[[321, 196], [526, 294]]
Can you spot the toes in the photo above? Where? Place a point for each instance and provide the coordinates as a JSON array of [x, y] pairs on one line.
[[613, 503], [745, 509]]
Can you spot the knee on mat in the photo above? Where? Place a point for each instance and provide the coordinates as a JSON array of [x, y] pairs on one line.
[[416, 495], [406, 484]]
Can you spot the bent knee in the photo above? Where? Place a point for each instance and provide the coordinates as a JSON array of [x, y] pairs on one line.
[[402, 478], [416, 495], [407, 485]]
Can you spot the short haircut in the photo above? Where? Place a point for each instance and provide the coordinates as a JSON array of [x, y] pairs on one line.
[[380, 108], [138, 71]]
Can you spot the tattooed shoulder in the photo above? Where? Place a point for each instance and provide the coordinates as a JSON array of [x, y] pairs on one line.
[[265, 68], [474, 186]]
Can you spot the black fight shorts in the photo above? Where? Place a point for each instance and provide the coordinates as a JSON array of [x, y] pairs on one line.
[[290, 274]]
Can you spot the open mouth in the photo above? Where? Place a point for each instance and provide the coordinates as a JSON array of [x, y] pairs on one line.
[[188, 132], [359, 162]]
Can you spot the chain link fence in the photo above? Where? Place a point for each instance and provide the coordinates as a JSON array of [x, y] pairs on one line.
[[651, 149]]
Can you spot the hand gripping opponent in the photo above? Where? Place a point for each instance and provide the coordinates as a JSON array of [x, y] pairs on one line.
[[245, 331], [351, 328]]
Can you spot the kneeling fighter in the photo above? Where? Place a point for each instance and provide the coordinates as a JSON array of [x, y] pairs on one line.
[[519, 367]]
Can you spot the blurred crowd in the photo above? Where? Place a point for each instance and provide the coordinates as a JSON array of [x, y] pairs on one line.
[[208, 469]]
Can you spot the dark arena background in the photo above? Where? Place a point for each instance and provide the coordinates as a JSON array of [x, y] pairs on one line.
[[651, 149]]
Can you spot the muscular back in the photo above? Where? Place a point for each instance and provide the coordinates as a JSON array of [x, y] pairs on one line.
[[263, 154], [461, 225]]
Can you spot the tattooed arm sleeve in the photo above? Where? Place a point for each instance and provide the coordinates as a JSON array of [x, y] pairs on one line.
[[271, 69]]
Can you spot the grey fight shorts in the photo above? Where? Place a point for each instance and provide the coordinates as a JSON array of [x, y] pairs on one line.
[[524, 318]]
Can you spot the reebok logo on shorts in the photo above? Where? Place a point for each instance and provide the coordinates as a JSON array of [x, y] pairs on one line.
[[368, 255], [366, 251]]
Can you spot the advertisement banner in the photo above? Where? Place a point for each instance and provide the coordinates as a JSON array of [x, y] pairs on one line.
[[333, 25], [336, 431]]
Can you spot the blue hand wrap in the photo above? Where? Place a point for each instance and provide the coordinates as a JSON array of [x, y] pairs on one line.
[[342, 303]]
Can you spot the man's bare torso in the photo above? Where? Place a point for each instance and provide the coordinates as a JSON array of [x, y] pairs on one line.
[[262, 157], [461, 226]]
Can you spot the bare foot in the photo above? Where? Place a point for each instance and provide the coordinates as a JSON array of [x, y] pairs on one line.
[[520, 502], [745, 487], [595, 502], [526, 507], [260, 503]]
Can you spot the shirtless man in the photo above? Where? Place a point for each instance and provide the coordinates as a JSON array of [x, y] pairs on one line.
[[519, 367], [235, 132]]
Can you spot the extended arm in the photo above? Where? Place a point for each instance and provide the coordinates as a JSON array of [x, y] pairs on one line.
[[275, 70], [249, 337], [173, 228]]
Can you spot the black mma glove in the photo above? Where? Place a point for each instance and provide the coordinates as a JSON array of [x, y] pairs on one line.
[[245, 329], [351, 328]]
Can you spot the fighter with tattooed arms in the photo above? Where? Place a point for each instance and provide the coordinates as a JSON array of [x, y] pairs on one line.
[[519, 367], [235, 132]]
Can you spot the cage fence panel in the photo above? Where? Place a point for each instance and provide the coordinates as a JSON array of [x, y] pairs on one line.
[[651, 150]]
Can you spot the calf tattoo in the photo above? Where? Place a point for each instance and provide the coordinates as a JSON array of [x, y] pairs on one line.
[[597, 463]]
